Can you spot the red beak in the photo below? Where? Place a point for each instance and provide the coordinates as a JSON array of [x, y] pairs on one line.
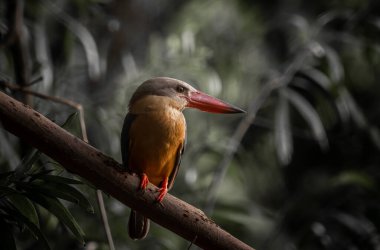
[[211, 104]]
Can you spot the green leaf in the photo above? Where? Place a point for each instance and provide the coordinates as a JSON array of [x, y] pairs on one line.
[[55, 207], [358, 225], [375, 136], [318, 77], [27, 163], [70, 120], [282, 131], [6, 237], [60, 190], [354, 178], [74, 193], [302, 26], [335, 65], [5, 175], [59, 179], [331, 15], [4, 191], [307, 80], [310, 115], [36, 232], [39, 189], [8, 150], [354, 110], [40, 173], [25, 207], [72, 124]]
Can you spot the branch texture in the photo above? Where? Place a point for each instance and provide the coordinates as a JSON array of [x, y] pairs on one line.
[[105, 173]]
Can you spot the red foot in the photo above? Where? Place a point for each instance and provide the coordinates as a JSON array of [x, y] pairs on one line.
[[144, 181], [163, 190]]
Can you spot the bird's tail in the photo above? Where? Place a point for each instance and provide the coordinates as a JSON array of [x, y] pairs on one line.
[[138, 226]]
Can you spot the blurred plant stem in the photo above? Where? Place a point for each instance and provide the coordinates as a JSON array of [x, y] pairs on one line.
[[255, 106], [103, 213], [18, 41]]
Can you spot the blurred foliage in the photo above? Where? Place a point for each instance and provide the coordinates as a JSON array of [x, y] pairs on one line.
[[306, 173], [32, 193]]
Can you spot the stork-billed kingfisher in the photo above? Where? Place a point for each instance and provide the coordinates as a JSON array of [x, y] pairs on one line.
[[154, 134]]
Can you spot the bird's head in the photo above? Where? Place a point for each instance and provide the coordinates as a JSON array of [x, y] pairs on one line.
[[184, 95]]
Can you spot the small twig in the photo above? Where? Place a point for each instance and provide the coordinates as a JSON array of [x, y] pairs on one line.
[[55, 99], [244, 125], [103, 212], [37, 80], [192, 242], [79, 108]]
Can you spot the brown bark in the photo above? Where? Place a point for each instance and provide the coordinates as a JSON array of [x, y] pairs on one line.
[[105, 173]]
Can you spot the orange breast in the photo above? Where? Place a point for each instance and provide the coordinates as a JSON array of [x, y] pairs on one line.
[[155, 138]]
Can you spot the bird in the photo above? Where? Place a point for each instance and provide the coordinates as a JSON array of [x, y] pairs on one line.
[[153, 136]]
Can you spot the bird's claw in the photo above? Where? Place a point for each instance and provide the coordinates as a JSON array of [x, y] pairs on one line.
[[163, 191], [144, 181]]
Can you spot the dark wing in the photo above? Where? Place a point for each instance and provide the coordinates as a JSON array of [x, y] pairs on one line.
[[177, 163], [125, 139]]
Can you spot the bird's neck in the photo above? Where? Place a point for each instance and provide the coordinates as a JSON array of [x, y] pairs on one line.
[[152, 104]]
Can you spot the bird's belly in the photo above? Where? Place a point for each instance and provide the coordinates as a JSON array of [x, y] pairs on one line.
[[155, 142], [153, 159]]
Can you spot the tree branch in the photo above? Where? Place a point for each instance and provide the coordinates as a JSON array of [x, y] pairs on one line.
[[84, 160]]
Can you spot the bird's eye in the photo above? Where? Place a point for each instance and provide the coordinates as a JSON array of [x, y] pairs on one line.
[[180, 89]]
